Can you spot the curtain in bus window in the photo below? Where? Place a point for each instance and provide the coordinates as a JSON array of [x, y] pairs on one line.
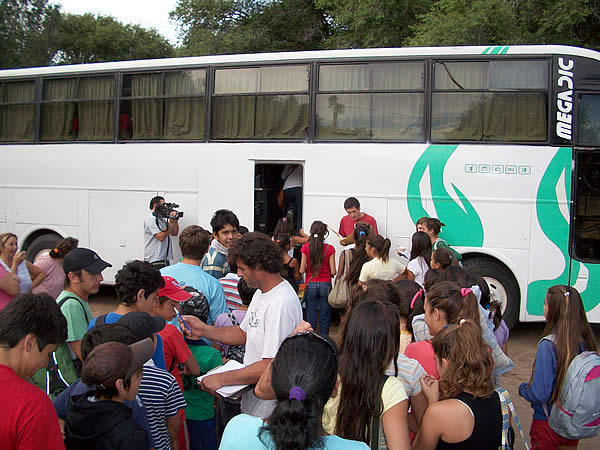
[[456, 116], [58, 119], [16, 121], [146, 115], [236, 81], [96, 119], [398, 116], [461, 75], [518, 74], [388, 76], [344, 78], [184, 117], [281, 116], [514, 116], [284, 79], [344, 116], [233, 117]]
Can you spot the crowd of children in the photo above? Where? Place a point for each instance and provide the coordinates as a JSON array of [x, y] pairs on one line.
[[416, 361]]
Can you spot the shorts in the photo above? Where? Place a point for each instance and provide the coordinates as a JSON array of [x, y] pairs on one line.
[[545, 438]]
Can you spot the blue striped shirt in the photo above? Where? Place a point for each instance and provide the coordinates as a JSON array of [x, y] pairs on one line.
[[162, 399]]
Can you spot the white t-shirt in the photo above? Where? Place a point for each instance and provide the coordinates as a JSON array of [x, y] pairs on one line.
[[376, 269], [271, 317], [155, 250], [419, 268]]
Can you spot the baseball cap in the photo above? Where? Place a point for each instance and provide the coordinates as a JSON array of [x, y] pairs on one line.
[[84, 258], [142, 324], [111, 361], [173, 290]]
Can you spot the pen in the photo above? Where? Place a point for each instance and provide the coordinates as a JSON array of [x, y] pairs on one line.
[[181, 318]]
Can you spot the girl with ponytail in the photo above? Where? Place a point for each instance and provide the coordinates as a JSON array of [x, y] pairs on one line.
[[381, 267], [357, 256], [52, 264], [567, 333], [318, 262], [445, 303], [463, 409], [303, 377]]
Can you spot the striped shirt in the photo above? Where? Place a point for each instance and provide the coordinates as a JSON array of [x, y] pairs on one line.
[[409, 373], [232, 296], [162, 399]]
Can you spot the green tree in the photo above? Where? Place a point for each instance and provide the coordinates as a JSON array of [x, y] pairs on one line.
[[88, 38], [27, 32], [504, 22], [245, 26], [372, 23]]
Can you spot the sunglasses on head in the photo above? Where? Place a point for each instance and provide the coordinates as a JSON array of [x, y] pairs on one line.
[[318, 336]]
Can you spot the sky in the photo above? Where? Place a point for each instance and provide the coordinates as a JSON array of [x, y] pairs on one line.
[[148, 14]]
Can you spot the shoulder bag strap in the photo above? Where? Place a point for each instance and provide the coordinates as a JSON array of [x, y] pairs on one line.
[[62, 302], [505, 396]]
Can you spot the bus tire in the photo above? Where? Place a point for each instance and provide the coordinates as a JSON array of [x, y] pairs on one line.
[[43, 242], [502, 283]]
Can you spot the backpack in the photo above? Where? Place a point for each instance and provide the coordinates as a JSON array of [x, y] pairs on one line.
[[576, 414], [61, 370]]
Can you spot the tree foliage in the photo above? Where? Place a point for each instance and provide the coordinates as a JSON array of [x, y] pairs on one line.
[[245, 26], [27, 31], [87, 38]]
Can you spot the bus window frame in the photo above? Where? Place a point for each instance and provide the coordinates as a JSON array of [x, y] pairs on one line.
[[548, 91]]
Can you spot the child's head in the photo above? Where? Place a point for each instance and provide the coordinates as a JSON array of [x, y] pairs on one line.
[[378, 247], [303, 376], [246, 293], [456, 274], [196, 306], [283, 240], [464, 360], [421, 223], [441, 258], [447, 303], [496, 313], [432, 277], [116, 369], [412, 299], [169, 298], [421, 246], [433, 226]]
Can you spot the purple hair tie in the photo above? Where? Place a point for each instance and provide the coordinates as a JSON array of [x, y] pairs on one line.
[[465, 291], [414, 299], [297, 393]]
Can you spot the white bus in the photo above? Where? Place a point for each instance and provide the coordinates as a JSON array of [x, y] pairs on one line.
[[501, 143]]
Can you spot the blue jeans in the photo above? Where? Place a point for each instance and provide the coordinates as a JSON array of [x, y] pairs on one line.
[[316, 298], [203, 434]]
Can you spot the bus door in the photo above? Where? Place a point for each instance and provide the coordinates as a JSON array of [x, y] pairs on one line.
[[585, 208]]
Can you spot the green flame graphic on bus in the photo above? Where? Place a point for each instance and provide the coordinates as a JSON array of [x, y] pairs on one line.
[[463, 225], [556, 228]]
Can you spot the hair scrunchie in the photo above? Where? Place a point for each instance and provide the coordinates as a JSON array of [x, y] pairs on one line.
[[362, 233], [416, 296], [465, 291], [297, 393]]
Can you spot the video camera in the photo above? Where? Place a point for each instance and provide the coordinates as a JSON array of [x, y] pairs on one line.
[[164, 211]]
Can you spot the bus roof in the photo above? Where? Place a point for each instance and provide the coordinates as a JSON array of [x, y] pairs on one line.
[[286, 57]]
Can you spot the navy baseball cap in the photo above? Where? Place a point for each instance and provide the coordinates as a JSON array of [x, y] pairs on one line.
[[84, 259], [142, 324]]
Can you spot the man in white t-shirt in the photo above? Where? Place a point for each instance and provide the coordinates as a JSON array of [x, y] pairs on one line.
[[158, 249], [272, 316]]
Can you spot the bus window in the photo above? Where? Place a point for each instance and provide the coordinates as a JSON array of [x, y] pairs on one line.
[[378, 101], [163, 105], [588, 121], [77, 109], [585, 244], [17, 111], [261, 103], [468, 102]]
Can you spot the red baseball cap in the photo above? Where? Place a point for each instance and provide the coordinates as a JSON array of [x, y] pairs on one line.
[[173, 290]]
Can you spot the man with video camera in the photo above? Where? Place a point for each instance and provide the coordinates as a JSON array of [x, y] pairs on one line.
[[159, 226]]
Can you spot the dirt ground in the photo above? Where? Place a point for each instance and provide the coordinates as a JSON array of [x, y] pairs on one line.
[[522, 347]]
